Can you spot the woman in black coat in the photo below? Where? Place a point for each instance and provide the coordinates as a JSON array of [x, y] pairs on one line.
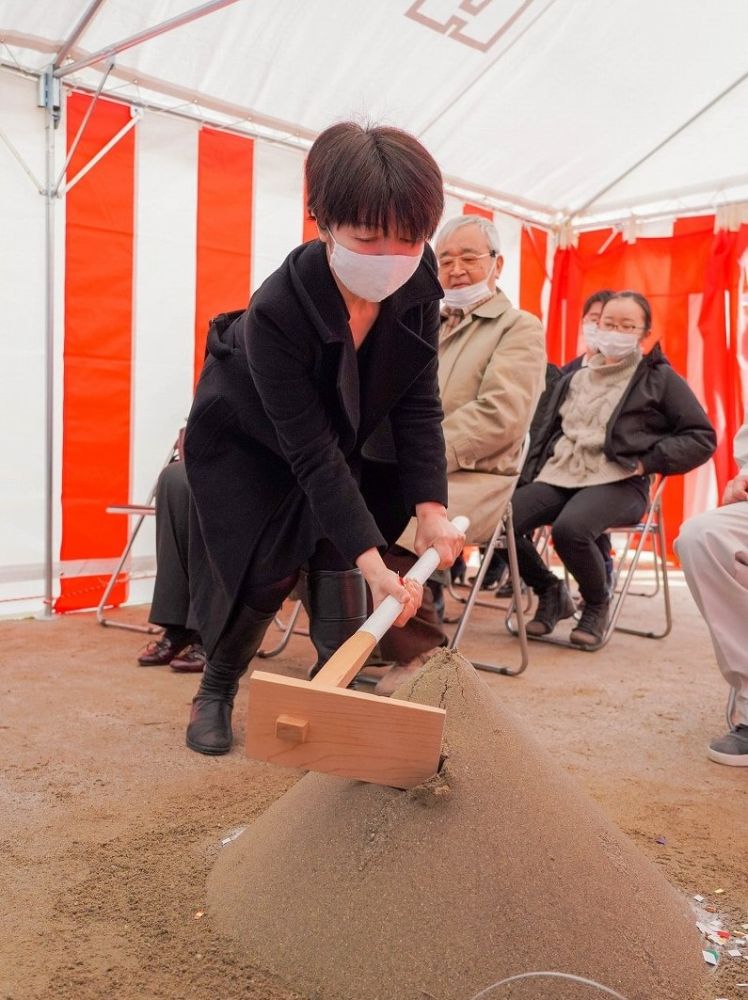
[[316, 427], [604, 430]]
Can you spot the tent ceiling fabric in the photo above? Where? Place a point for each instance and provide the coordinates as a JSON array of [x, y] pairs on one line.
[[539, 104]]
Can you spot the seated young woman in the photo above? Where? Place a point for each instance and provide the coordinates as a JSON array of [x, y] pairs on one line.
[[607, 427]]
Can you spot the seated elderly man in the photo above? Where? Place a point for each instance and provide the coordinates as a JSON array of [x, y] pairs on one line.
[[491, 373], [713, 550]]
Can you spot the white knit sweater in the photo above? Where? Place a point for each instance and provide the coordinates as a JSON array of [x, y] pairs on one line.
[[595, 391]]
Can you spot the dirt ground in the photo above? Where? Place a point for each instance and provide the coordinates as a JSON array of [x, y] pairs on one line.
[[109, 825]]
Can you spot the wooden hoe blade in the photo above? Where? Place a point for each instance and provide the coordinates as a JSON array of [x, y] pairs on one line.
[[320, 725]]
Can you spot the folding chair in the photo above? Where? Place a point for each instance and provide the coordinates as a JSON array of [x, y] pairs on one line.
[[652, 527], [287, 629], [502, 538], [140, 512]]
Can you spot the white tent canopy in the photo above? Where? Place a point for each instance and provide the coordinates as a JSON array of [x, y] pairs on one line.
[[559, 110]]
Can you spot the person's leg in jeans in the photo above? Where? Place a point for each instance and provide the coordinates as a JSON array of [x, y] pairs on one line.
[[575, 531], [533, 506], [713, 550], [170, 607]]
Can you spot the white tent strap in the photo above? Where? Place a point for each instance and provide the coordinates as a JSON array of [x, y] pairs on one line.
[[137, 114], [144, 36], [72, 568], [26, 168]]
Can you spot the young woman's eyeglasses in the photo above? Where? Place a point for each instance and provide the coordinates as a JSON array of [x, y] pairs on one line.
[[466, 260], [609, 326]]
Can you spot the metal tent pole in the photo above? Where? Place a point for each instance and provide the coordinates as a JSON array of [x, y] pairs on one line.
[[144, 36], [668, 138], [51, 95], [84, 21]]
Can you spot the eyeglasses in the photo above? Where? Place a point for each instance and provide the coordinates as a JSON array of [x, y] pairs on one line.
[[609, 325], [466, 260]]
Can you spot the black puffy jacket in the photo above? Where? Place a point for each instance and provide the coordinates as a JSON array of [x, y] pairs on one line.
[[658, 422]]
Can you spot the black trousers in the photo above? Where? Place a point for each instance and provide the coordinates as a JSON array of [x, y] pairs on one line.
[[171, 591], [577, 518], [380, 486]]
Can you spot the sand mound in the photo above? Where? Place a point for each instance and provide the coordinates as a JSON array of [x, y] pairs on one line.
[[499, 865]]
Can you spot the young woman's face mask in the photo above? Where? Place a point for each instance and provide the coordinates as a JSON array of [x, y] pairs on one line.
[[373, 276]]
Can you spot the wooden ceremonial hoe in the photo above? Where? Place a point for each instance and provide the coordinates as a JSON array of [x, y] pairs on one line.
[[320, 725]]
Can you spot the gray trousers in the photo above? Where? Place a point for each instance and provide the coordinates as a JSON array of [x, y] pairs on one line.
[[171, 591], [713, 550]]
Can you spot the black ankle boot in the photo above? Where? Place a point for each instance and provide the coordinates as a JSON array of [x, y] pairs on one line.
[[554, 603], [209, 729], [337, 608]]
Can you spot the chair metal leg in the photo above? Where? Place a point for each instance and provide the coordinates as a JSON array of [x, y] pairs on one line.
[[287, 631], [659, 546], [505, 529], [110, 622]]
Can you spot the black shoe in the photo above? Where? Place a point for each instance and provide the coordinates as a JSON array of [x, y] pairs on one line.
[[506, 589], [209, 729], [554, 603], [591, 626], [336, 608], [457, 570]]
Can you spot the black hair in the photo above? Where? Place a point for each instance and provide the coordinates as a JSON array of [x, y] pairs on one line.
[[641, 301], [601, 296], [374, 176]]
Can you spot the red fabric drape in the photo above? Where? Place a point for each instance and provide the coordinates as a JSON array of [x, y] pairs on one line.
[[718, 325], [532, 275], [97, 348], [224, 229], [470, 209]]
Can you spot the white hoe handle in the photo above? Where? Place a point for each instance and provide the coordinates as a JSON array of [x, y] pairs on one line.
[[381, 619]]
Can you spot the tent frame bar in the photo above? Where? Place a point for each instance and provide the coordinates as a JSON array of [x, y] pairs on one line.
[[85, 19], [137, 115], [143, 36], [635, 166], [79, 133]]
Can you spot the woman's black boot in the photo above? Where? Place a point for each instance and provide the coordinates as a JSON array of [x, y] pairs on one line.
[[209, 729], [336, 607]]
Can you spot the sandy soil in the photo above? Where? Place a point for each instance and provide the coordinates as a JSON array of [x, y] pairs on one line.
[[109, 825]]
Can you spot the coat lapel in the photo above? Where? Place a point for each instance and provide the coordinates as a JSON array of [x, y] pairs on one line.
[[395, 352]]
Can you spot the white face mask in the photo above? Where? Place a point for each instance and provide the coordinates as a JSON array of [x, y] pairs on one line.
[[372, 277], [467, 296], [616, 345], [590, 332]]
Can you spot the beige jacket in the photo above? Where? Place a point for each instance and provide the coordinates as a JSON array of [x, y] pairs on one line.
[[491, 373]]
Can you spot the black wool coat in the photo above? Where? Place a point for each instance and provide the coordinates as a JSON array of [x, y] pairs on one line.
[[658, 422], [289, 424]]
